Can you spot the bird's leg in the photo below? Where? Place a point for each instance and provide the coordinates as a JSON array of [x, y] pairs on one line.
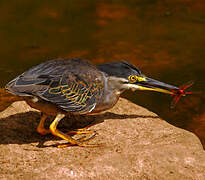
[[82, 140], [56, 132], [82, 130], [41, 129]]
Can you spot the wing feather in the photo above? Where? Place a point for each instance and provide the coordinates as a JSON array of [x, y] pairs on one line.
[[62, 83]]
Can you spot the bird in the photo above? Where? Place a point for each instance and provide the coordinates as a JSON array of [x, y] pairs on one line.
[[73, 86]]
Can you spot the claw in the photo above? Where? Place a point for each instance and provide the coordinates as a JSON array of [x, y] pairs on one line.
[[78, 131], [82, 142], [82, 145]]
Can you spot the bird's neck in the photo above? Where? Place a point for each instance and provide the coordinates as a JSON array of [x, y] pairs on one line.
[[110, 95]]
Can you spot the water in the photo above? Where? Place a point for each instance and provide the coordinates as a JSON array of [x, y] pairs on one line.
[[165, 39]]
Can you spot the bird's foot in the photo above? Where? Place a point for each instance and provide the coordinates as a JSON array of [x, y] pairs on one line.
[[83, 145], [71, 142], [81, 131], [82, 142]]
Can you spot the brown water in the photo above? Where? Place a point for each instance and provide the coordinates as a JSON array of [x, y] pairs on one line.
[[164, 38]]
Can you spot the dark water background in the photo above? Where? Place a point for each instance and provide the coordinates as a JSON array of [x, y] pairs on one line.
[[164, 38]]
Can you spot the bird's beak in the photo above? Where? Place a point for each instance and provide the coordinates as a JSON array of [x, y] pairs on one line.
[[154, 85]]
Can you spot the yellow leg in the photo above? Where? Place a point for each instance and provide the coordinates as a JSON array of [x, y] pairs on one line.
[[81, 130], [82, 140], [41, 129], [56, 132]]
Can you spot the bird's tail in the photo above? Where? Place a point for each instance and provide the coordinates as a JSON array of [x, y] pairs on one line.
[[7, 98]]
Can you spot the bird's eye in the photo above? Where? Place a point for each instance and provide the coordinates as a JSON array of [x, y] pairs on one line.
[[132, 78]]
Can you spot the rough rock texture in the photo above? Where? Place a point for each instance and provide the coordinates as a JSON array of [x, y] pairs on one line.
[[135, 144]]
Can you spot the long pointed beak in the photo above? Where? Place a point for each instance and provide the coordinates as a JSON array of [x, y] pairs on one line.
[[154, 85]]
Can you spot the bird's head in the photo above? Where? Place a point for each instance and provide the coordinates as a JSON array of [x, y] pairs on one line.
[[123, 75]]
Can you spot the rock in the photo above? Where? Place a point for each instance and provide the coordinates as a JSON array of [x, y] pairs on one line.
[[135, 144]]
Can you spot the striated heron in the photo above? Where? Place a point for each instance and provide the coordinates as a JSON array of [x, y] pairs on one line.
[[64, 87]]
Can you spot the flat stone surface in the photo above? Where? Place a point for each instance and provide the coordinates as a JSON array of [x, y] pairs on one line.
[[134, 144]]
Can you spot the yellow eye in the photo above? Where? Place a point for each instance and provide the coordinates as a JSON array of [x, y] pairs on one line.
[[132, 78]]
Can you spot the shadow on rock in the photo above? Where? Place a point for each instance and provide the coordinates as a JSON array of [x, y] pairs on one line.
[[21, 128]]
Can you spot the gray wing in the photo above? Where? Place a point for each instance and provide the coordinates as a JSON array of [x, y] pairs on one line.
[[74, 85]]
